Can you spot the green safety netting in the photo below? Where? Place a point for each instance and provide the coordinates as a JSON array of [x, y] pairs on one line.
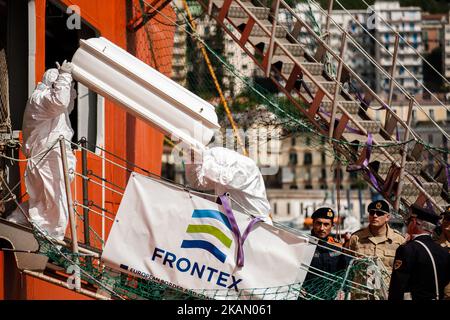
[[363, 279]]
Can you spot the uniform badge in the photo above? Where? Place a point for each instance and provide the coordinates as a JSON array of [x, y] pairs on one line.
[[378, 205], [329, 214], [397, 264]]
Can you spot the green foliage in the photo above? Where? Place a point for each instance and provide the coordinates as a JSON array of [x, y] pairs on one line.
[[199, 79], [432, 80]]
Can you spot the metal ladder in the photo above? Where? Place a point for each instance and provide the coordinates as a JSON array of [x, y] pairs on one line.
[[398, 173]]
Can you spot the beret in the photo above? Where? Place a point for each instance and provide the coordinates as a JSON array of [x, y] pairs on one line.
[[325, 213]]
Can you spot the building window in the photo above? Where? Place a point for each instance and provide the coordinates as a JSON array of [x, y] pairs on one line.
[[308, 182], [323, 157], [293, 158], [288, 209], [293, 141], [432, 114], [275, 208], [324, 174], [308, 158], [308, 141]]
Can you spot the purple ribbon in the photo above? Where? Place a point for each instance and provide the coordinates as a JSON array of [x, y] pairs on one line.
[[235, 229], [365, 164], [363, 101]]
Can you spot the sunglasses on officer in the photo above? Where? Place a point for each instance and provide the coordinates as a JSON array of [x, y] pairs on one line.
[[376, 212]]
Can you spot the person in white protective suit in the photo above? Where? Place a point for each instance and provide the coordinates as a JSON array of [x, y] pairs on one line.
[[225, 171], [46, 118]]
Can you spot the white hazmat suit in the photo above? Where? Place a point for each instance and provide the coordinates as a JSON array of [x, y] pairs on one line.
[[224, 171], [46, 118]]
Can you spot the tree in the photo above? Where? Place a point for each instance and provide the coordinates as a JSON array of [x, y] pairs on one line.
[[199, 79]]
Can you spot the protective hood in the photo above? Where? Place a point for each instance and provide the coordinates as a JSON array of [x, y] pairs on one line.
[[48, 78], [228, 171]]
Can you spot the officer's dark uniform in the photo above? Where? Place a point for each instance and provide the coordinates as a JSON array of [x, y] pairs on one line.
[[324, 259], [413, 269]]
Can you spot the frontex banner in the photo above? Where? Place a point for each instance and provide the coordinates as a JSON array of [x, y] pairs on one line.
[[175, 236]]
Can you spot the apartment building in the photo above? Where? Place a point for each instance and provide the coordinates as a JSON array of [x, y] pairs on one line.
[[446, 45], [432, 31], [408, 22], [340, 20], [179, 62], [231, 52]]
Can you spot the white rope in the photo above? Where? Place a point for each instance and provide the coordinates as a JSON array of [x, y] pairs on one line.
[[77, 204], [95, 182], [436, 282], [43, 152]]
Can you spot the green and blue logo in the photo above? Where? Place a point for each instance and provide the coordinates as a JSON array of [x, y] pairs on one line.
[[225, 240]]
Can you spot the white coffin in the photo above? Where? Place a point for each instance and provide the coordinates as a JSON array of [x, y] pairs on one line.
[[144, 92]]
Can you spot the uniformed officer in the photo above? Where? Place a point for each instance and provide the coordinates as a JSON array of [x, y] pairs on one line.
[[378, 239], [444, 241], [328, 257], [421, 266]]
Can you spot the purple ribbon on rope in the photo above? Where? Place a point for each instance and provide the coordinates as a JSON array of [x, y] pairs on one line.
[[365, 164], [363, 101], [235, 229]]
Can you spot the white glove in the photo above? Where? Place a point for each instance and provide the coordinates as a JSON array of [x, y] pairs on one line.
[[66, 67]]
